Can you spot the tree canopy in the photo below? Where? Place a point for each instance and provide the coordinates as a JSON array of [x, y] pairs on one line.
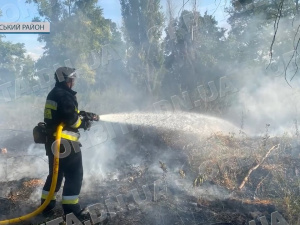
[[144, 53]]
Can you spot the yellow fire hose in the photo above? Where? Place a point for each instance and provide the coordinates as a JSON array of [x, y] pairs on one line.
[[52, 188]]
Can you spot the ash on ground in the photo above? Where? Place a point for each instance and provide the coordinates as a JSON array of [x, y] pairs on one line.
[[168, 177]]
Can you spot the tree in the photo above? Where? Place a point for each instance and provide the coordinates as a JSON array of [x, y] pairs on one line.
[[13, 62], [254, 26], [143, 25], [78, 29], [192, 56]]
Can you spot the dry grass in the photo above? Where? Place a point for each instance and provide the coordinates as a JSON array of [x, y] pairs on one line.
[[34, 183], [225, 159]]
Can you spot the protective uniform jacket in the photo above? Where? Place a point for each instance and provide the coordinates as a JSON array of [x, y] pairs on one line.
[[61, 106]]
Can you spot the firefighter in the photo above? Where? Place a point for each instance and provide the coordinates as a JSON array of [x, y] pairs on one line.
[[61, 106]]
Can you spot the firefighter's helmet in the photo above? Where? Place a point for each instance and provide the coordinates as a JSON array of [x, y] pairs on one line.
[[64, 74]]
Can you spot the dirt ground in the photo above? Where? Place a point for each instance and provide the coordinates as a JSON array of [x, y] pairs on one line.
[[189, 181]]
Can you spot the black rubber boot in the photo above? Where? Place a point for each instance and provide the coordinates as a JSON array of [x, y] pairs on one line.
[[48, 211], [83, 215]]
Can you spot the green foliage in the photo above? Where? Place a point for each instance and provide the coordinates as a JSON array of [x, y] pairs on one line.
[[193, 55], [146, 60], [143, 25], [13, 62], [77, 28], [253, 29]]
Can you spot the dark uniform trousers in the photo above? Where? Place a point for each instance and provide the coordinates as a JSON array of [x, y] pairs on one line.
[[71, 168]]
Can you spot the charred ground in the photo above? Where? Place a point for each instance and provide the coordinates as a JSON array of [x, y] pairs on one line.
[[199, 180]]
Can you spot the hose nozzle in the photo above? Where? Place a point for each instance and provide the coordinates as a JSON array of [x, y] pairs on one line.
[[89, 116]]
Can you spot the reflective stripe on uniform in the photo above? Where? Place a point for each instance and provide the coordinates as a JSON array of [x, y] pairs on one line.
[[69, 135], [70, 200], [48, 114], [76, 110], [46, 193], [77, 123], [51, 105]]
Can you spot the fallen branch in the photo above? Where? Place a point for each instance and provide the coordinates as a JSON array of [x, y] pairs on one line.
[[258, 165]]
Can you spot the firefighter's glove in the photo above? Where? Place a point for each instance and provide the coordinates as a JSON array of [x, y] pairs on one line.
[[86, 124], [89, 116]]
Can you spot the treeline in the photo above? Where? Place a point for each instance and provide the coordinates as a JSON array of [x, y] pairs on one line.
[[155, 53]]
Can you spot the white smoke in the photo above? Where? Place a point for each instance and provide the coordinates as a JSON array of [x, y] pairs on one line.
[[32, 164], [264, 96]]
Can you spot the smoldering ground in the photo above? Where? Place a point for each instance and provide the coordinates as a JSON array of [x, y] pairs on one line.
[[201, 163], [146, 156]]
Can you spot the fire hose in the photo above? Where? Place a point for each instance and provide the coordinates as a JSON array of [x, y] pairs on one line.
[[85, 116], [52, 188]]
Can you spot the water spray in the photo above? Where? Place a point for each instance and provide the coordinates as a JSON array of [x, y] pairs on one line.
[[177, 121]]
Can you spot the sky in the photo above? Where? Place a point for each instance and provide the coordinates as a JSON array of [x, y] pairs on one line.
[[19, 11]]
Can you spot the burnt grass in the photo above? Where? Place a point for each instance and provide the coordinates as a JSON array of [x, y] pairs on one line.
[[197, 181]]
